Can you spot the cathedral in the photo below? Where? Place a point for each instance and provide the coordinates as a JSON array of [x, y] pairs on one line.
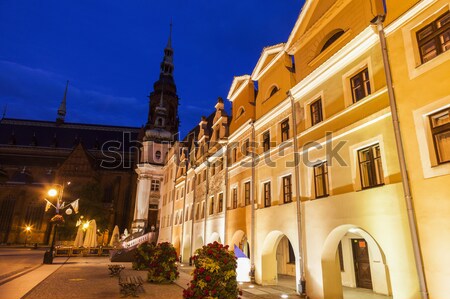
[[103, 164]]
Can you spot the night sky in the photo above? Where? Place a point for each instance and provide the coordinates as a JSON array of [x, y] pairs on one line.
[[111, 52]]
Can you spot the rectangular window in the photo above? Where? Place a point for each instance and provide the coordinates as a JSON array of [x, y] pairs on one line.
[[155, 185], [266, 141], [285, 130], [360, 85], [247, 193], [197, 211], [220, 202], [370, 167], [434, 39], [220, 164], [287, 189], [321, 179], [204, 175], [266, 193], [316, 112], [234, 157], [203, 209], [213, 169], [211, 206], [245, 147], [235, 199], [440, 129]]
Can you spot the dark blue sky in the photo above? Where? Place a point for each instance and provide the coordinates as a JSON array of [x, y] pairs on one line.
[[111, 51]]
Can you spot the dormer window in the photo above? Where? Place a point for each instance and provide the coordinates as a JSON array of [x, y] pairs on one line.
[[273, 91], [332, 39], [240, 112]]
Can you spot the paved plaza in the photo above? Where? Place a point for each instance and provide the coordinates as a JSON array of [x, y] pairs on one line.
[[88, 277], [22, 275]]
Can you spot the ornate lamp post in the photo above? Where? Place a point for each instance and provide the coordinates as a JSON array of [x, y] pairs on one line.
[[57, 219]]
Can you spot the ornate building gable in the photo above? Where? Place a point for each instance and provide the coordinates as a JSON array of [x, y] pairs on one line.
[[79, 164]]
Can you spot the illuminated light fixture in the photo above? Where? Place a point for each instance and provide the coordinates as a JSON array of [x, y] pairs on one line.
[[52, 192], [284, 296], [353, 230], [86, 225], [251, 286], [28, 228]]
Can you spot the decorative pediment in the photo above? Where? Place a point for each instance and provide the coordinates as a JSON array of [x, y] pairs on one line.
[[314, 15], [268, 55], [237, 86]]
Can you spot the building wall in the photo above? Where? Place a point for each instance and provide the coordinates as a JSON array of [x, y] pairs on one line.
[[420, 89]]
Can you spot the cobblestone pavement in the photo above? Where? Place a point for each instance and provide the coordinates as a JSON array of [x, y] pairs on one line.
[[89, 278]]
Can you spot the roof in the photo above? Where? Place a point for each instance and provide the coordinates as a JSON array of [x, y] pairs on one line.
[[21, 132]]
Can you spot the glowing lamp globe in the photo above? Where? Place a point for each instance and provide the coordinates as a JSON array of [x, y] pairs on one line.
[[52, 192]]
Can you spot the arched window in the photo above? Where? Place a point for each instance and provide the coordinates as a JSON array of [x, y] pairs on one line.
[[332, 39], [273, 91], [240, 112]]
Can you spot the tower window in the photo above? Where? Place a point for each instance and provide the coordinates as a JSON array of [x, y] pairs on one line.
[[158, 155], [155, 185]]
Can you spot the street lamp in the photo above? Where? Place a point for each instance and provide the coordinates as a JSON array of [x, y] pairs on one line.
[[27, 232], [60, 205]]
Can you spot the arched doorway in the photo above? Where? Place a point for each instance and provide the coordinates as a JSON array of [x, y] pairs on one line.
[[278, 261], [352, 262], [240, 240]]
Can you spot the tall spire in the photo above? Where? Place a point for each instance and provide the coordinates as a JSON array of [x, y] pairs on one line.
[[62, 107], [167, 63], [169, 41]]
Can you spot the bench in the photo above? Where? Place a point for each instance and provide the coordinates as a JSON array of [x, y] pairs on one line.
[[129, 285], [115, 269]]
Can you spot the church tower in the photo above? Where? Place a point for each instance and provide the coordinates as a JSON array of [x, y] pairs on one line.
[[161, 131], [163, 111]]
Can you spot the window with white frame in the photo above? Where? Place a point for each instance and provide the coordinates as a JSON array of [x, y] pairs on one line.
[[285, 130], [266, 141], [287, 189], [434, 38], [220, 203], [266, 195], [370, 166], [247, 193], [440, 129], [316, 111], [321, 185], [360, 85], [235, 198], [211, 206]]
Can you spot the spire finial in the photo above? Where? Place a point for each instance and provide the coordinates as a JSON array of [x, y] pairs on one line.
[[62, 107], [169, 41]]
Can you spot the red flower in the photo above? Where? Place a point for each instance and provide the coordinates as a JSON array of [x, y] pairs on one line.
[[208, 278]]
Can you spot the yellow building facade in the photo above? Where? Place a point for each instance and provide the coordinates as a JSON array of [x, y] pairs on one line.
[[304, 175]]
